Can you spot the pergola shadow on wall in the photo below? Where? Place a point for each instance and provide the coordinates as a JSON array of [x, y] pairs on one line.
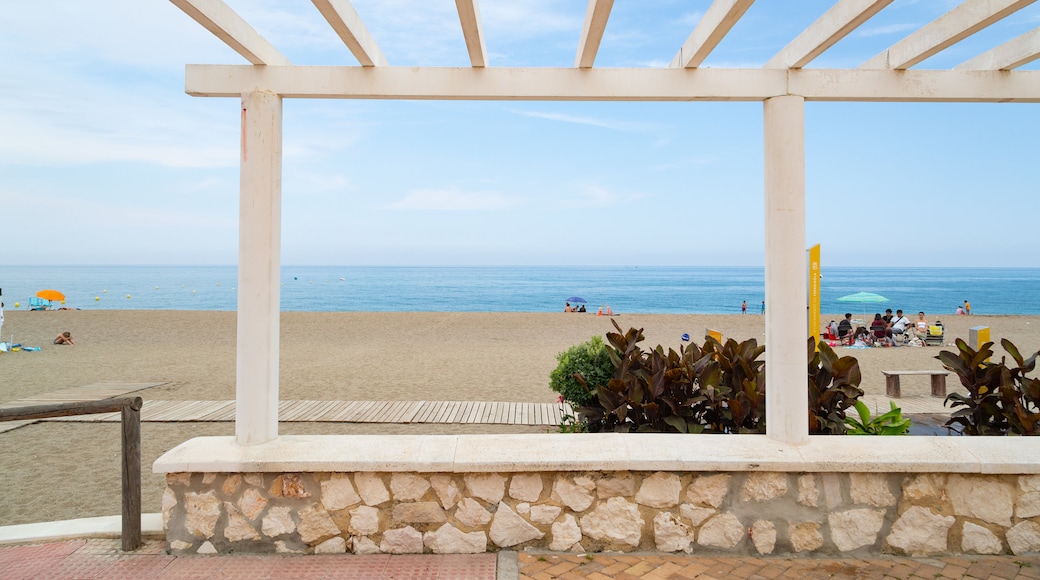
[[783, 85]]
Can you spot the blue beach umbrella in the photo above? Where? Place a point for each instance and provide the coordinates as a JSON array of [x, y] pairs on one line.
[[577, 299]]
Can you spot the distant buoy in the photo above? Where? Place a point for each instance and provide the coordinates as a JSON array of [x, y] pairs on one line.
[[16, 305], [97, 298], [104, 291], [341, 278], [194, 291], [156, 287], [127, 296], [218, 283], [295, 278]]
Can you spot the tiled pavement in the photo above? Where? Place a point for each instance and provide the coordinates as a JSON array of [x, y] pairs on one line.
[[644, 566], [102, 559]]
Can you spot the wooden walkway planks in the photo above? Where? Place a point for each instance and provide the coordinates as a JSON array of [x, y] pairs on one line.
[[323, 411], [456, 412]]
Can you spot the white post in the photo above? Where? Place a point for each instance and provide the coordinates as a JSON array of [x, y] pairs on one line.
[[259, 259], [787, 396]]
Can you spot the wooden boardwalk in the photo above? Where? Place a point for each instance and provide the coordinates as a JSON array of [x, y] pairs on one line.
[[324, 411], [458, 412]]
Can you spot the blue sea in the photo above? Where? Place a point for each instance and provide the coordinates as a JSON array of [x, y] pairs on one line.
[[624, 289]]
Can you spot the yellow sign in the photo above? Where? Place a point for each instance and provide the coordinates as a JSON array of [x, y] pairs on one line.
[[814, 293]]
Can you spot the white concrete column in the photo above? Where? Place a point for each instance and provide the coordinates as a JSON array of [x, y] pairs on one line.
[[787, 398], [259, 260]]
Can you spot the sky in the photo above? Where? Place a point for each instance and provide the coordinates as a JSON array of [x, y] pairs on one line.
[[105, 160]]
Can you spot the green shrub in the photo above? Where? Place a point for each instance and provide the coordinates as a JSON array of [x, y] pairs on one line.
[[890, 423], [589, 359], [833, 388], [1001, 399]]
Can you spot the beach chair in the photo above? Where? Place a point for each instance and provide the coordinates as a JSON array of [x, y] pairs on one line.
[[37, 303], [935, 334]]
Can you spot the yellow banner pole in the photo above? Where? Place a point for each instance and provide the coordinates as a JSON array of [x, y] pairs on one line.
[[814, 293]]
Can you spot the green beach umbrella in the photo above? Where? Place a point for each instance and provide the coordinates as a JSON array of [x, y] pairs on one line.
[[864, 298]]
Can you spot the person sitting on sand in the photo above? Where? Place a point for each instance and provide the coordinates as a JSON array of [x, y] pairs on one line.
[[581, 308], [568, 308], [921, 326], [845, 326], [64, 338]]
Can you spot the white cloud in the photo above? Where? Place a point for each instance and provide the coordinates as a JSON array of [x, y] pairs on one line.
[[630, 126], [886, 30], [452, 199]]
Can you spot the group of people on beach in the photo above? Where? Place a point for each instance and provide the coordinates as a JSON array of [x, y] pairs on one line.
[[887, 330], [569, 308]]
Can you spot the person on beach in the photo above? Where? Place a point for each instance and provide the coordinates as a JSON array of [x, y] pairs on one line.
[[921, 326], [1, 321], [743, 307], [845, 326], [567, 307], [898, 325], [967, 308], [582, 308], [64, 338], [887, 318], [763, 308], [959, 311]]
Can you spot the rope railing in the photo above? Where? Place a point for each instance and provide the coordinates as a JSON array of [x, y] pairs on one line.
[[130, 408]]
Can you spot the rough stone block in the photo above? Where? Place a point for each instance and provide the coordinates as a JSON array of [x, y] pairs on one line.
[[763, 535], [509, 529], [422, 512], [335, 545], [670, 534], [870, 489], [489, 487], [565, 534], [446, 489], [338, 493], [364, 520], [278, 521], [856, 528], [372, 489], [238, 527], [201, 512], [696, 514], [1024, 538], [252, 503], [805, 536], [722, 531], [660, 490], [407, 540], [979, 540], [526, 487], [618, 485], [709, 490], [470, 513], [571, 494], [615, 520], [316, 525], [808, 493], [449, 540], [983, 497], [545, 514], [408, 486], [920, 532], [764, 486]]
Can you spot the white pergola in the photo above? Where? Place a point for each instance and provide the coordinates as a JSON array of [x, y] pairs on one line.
[[783, 85]]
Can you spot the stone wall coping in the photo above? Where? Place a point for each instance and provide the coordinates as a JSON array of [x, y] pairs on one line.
[[551, 452]]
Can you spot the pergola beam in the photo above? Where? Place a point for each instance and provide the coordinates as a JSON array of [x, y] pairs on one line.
[[218, 18], [469, 17], [570, 84], [945, 31], [717, 21], [596, 16], [1008, 56], [342, 17], [835, 24]]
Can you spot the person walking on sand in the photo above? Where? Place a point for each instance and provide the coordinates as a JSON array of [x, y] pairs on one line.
[[743, 307], [763, 308], [1, 321]]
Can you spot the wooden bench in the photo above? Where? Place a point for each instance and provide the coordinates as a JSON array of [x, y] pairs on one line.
[[892, 381]]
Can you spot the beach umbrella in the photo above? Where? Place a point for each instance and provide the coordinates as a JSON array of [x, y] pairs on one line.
[[52, 295], [864, 298], [577, 299]]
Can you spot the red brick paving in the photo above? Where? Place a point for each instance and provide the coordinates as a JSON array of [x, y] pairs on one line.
[[97, 559], [534, 566]]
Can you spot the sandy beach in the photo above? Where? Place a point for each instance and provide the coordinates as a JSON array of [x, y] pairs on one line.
[[325, 355]]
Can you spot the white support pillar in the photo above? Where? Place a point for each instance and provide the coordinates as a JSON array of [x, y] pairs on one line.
[[259, 260], [787, 396]]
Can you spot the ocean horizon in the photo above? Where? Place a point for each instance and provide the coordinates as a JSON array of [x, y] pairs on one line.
[[624, 289]]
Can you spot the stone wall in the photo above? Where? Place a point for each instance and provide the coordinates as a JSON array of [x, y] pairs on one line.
[[737, 512]]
